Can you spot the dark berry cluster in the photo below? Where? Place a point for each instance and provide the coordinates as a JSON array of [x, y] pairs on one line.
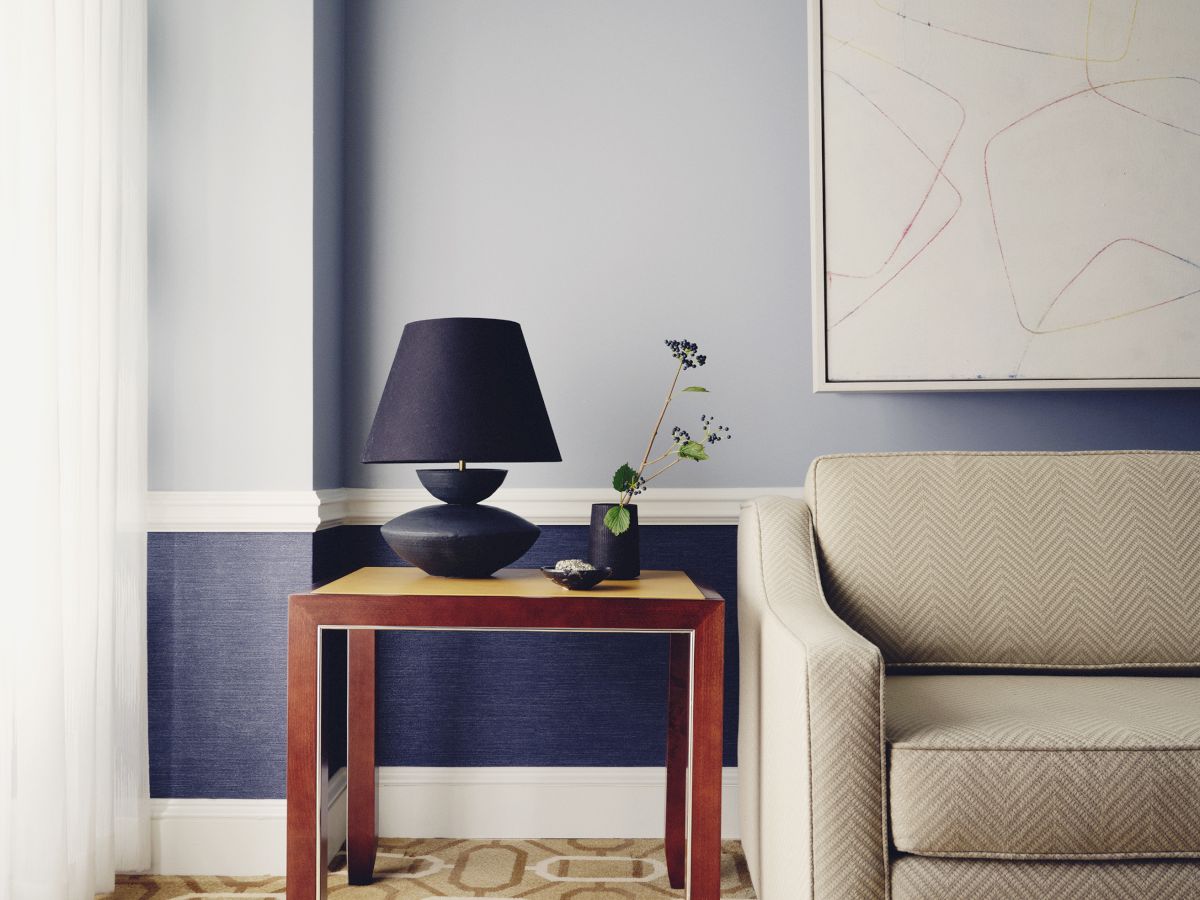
[[639, 486], [714, 433], [687, 353], [679, 435]]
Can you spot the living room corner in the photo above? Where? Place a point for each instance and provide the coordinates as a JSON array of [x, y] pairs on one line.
[[389, 245]]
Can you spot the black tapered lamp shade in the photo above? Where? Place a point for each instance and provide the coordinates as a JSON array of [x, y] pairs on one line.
[[461, 390]]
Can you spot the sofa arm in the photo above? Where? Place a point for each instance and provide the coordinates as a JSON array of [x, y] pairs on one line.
[[810, 741]]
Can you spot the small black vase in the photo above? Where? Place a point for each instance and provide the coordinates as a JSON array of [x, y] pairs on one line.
[[619, 552]]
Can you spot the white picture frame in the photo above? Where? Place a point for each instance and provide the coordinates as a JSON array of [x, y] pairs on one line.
[[823, 379]]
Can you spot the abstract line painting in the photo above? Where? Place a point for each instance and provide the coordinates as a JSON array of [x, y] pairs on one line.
[[1006, 193]]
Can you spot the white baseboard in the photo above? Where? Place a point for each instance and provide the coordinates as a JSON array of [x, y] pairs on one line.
[[532, 802], [247, 837], [312, 510], [233, 837]]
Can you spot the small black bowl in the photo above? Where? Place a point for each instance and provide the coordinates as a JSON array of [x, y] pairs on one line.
[[583, 580]]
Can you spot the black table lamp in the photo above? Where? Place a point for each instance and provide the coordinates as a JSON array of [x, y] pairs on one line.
[[461, 390]]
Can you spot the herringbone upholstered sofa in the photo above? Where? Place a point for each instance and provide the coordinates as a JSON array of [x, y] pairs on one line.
[[974, 676]]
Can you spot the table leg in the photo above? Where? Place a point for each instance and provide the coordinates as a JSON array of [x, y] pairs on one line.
[[360, 757], [306, 839], [704, 856], [679, 681]]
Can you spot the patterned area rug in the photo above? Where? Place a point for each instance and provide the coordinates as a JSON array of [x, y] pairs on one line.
[[550, 869]]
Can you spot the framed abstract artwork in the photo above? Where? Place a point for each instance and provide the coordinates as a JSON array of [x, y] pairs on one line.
[[1006, 193]]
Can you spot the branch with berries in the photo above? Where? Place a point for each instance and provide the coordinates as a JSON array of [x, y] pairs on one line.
[[627, 481]]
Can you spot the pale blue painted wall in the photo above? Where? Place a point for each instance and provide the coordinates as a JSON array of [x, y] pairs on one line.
[[611, 174], [231, 244]]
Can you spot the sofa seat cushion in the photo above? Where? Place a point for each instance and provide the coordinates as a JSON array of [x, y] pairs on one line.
[[1044, 766]]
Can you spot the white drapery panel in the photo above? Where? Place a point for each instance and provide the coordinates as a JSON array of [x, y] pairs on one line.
[[74, 783]]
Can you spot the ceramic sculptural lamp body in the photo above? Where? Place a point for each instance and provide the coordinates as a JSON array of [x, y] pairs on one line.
[[461, 390], [460, 539]]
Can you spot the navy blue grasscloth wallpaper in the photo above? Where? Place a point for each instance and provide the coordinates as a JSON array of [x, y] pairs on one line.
[[217, 655]]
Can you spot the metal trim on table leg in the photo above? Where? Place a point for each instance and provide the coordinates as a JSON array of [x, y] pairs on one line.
[[361, 843], [679, 718]]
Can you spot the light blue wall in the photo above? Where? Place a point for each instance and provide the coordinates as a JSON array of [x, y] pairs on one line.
[[230, 244], [328, 86], [611, 174], [608, 173]]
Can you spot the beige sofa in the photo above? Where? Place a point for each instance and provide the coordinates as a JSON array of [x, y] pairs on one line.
[[973, 676]]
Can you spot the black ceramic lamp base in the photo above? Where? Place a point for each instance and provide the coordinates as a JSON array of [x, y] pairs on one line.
[[460, 539]]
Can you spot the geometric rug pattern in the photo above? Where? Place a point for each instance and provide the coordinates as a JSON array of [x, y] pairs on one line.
[[450, 869]]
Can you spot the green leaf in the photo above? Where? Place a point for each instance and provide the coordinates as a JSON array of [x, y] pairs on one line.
[[693, 450], [695, 388], [617, 520], [624, 478]]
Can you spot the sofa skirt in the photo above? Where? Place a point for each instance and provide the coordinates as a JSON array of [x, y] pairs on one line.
[[932, 878]]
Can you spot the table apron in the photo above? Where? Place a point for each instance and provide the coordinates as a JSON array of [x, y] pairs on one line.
[[529, 629]]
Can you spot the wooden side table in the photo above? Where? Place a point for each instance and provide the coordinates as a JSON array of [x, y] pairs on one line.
[[513, 600]]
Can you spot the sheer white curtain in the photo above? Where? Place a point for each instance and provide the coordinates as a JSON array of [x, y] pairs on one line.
[[74, 796]]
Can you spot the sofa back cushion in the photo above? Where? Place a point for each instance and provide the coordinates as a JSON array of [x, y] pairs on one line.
[[1043, 560]]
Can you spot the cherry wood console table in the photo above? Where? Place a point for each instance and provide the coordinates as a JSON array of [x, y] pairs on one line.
[[389, 598]]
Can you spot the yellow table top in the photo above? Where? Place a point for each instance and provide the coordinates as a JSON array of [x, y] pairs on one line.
[[400, 581]]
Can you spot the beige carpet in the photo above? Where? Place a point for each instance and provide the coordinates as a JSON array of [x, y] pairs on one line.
[[550, 869]]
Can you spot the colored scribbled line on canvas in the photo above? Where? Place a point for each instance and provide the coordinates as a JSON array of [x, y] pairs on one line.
[[1034, 329], [939, 174], [995, 43]]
